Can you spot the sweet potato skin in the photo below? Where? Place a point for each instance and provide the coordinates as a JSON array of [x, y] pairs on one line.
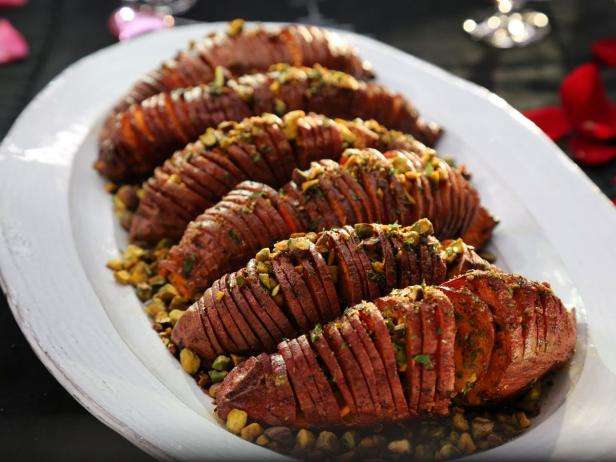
[[347, 354]]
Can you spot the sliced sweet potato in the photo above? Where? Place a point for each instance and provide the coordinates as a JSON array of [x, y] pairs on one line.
[[233, 318], [296, 375], [374, 321], [189, 333], [474, 340], [320, 343], [265, 299], [349, 286], [390, 267], [284, 407], [308, 382], [446, 368], [298, 288], [326, 280], [327, 400], [358, 351], [236, 280], [352, 372], [429, 347], [382, 392], [214, 316], [313, 282], [292, 303]]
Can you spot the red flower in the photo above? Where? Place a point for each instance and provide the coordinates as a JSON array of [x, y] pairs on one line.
[[605, 51], [586, 104]]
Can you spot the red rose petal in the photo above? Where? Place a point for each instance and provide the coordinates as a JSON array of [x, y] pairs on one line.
[[12, 3], [589, 152], [586, 103], [605, 51], [614, 200], [13, 46], [552, 120]]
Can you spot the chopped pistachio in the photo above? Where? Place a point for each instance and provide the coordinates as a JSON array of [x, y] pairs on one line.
[[237, 359], [144, 291], [378, 266], [299, 243], [523, 420], [162, 318], [209, 138], [305, 439], [132, 254], [140, 273], [166, 293], [268, 282], [178, 303], [466, 443], [217, 376], [276, 290], [327, 441], [122, 276], [251, 431], [157, 280], [128, 195], [280, 434], [363, 230], [447, 451], [348, 439], [460, 423], [262, 440], [115, 264], [220, 295], [235, 27], [423, 226], [423, 452], [175, 315], [400, 446], [221, 363], [306, 185], [481, 427], [263, 255], [213, 390], [190, 361], [280, 106], [236, 420], [155, 305], [371, 441]]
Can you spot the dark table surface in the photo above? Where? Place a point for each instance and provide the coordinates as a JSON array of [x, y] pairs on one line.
[[38, 418]]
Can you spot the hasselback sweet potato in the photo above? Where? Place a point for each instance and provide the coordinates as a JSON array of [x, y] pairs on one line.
[[241, 51], [366, 186], [261, 148], [305, 280], [145, 134], [405, 355]]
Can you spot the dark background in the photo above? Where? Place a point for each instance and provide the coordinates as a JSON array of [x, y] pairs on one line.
[[38, 419]]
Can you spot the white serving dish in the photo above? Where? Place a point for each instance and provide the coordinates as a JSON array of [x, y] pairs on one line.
[[57, 230]]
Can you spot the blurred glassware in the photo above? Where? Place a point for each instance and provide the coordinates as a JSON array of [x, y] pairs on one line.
[[161, 6], [136, 17], [509, 26]]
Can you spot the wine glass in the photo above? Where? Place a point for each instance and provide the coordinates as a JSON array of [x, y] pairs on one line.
[[510, 26]]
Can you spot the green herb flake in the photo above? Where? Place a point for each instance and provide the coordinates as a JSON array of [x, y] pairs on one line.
[[233, 236], [423, 359], [189, 263]]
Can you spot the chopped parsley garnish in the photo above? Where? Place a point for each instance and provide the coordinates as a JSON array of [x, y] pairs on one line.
[[233, 236], [189, 263], [423, 359]]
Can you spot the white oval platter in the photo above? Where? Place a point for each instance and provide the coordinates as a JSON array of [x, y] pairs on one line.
[[57, 230]]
